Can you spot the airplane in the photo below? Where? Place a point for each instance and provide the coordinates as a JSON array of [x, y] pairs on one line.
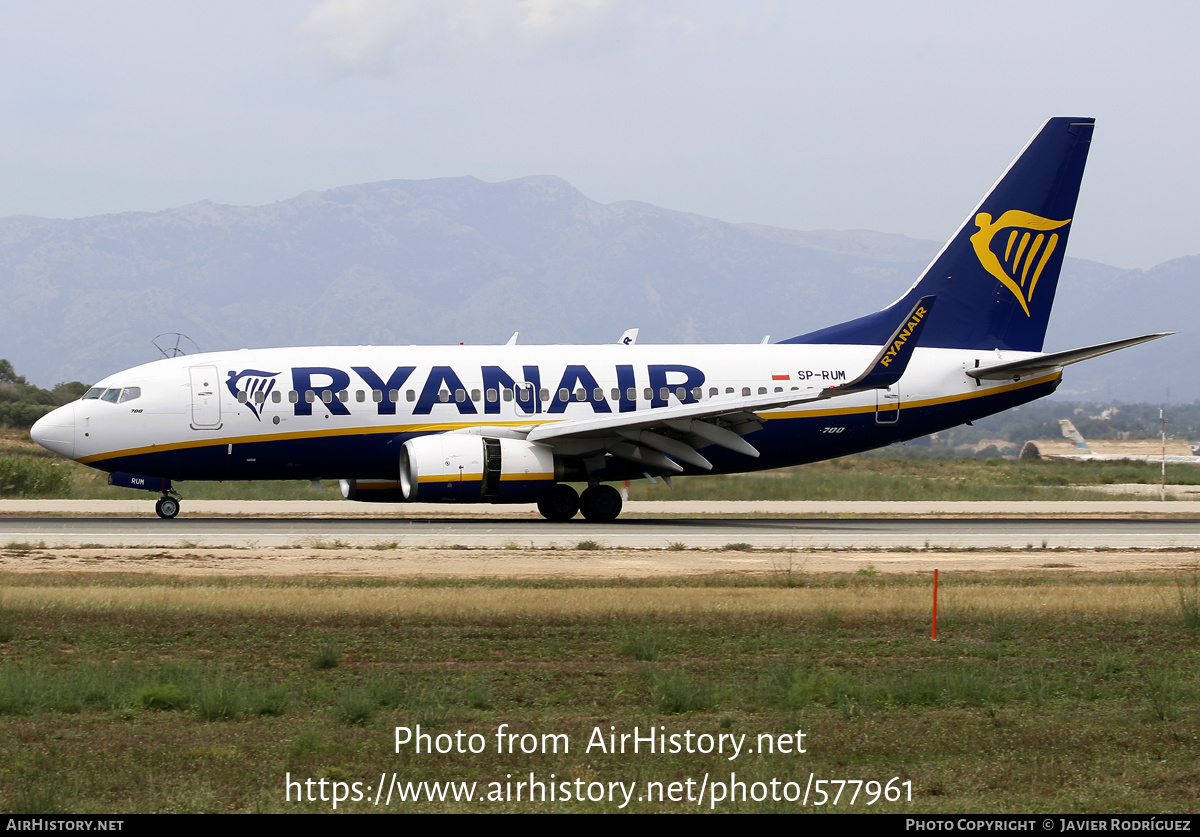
[[1083, 451], [518, 423]]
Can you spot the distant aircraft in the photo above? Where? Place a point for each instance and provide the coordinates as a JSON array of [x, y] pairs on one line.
[[1083, 451], [513, 423]]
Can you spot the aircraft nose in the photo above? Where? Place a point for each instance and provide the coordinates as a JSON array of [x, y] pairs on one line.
[[55, 431]]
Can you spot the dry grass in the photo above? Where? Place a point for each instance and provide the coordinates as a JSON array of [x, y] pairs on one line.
[[860, 600]]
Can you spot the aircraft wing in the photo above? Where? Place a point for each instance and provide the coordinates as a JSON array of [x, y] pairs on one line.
[[1056, 360], [722, 419]]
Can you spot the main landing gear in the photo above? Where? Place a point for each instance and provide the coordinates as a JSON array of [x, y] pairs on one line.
[[599, 504], [167, 507]]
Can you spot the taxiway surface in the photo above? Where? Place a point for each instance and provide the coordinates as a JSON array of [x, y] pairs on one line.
[[1112, 531]]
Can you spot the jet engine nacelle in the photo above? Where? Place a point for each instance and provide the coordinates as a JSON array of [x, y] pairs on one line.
[[467, 468]]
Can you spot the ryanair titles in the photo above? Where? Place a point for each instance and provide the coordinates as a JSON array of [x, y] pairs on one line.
[[902, 336], [444, 386]]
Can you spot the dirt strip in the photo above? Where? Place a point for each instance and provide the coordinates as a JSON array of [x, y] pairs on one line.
[[558, 563]]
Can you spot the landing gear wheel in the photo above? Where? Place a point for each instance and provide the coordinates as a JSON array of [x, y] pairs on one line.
[[561, 505], [166, 507], [601, 504]]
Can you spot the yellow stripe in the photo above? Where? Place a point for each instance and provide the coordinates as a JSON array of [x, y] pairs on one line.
[[451, 478], [301, 434], [476, 477], [435, 428], [928, 402]]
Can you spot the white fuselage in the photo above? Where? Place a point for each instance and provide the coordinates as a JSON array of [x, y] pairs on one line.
[[329, 412]]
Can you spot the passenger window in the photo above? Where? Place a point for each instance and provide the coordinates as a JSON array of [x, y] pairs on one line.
[[111, 395], [664, 393], [729, 391], [680, 393], [343, 396], [475, 395], [598, 394], [242, 396], [260, 397], [327, 396], [444, 395], [360, 396], [409, 395], [94, 392], [762, 390], [545, 395], [697, 393], [712, 392], [523, 396], [581, 394], [276, 396], [779, 389], [745, 390], [631, 394], [293, 396], [377, 396], [508, 395], [564, 394], [310, 396], [394, 396], [492, 396], [130, 393], [460, 395], [649, 393]]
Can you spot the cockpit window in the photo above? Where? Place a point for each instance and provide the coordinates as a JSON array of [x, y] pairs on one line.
[[130, 393], [111, 395], [94, 392]]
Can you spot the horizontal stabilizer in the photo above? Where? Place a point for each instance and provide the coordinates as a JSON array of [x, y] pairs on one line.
[[1056, 360]]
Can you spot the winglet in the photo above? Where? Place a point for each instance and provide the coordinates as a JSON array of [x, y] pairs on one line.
[[888, 366]]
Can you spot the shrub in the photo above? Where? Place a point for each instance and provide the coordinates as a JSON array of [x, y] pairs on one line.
[[31, 476], [678, 692], [218, 701], [327, 656], [642, 644], [163, 698]]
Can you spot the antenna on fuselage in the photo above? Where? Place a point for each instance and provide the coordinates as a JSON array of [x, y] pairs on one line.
[[175, 344]]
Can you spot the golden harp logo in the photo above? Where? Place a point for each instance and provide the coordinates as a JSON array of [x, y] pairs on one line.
[[1027, 248]]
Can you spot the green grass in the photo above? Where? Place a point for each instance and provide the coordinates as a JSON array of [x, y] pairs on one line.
[[1018, 707]]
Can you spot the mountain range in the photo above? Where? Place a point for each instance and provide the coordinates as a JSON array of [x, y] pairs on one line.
[[460, 260]]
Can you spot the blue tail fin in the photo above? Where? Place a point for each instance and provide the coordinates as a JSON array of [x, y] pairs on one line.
[[995, 279]]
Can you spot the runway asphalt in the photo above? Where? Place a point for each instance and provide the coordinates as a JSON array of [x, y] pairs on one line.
[[1119, 525]]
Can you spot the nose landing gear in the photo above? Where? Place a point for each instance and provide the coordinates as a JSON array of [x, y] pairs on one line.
[[167, 506]]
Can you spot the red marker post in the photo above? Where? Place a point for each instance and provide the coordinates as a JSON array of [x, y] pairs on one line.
[[935, 605]]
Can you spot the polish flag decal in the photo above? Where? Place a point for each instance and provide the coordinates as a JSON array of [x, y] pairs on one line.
[[780, 376]]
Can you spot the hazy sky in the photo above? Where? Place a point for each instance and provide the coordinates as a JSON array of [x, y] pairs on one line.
[[892, 116]]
